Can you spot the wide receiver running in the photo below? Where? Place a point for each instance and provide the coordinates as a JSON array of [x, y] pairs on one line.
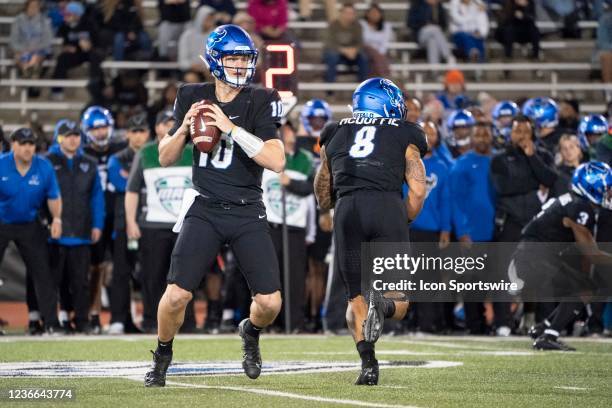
[[228, 207], [364, 161]]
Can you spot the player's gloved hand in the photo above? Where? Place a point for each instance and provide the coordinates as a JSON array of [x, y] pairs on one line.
[[219, 118]]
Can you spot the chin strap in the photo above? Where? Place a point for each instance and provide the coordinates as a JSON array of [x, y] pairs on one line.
[[250, 143]]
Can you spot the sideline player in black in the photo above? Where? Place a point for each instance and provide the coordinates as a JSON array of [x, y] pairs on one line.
[[565, 219], [228, 208], [364, 161]]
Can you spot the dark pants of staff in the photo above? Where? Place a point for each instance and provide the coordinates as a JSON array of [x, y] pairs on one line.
[[70, 267], [297, 272], [31, 241]]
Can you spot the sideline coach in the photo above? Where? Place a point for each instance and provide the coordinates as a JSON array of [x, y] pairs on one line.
[[26, 180]]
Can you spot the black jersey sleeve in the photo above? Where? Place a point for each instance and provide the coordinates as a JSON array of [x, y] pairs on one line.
[[268, 113], [582, 213], [181, 106], [414, 135], [327, 133]]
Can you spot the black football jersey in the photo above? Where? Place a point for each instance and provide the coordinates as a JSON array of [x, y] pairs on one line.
[[102, 158], [227, 173], [369, 153], [547, 226]]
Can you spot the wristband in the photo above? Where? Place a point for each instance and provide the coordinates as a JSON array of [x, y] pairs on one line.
[[250, 143]]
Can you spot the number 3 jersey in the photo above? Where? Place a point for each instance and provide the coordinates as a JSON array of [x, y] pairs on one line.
[[227, 174], [547, 226], [369, 153]]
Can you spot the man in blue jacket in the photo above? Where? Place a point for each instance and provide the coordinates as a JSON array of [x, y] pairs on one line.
[[82, 218], [473, 214], [27, 181]]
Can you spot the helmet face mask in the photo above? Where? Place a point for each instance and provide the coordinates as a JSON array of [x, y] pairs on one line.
[[590, 129], [231, 55], [503, 113], [460, 125]]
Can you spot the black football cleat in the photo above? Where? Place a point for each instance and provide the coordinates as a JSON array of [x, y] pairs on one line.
[[537, 330], [251, 357], [35, 328], [369, 374], [550, 342], [157, 376], [374, 322]]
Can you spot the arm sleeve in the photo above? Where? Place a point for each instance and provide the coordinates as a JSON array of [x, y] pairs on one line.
[[483, 24], [16, 41], [267, 118], [97, 203], [180, 109], [416, 137], [358, 36], [582, 215], [48, 36], [544, 172], [459, 198], [445, 204], [114, 174], [136, 177]]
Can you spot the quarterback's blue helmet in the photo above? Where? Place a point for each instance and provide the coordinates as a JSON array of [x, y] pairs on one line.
[[378, 98], [591, 125], [315, 108], [504, 109], [97, 117], [461, 118], [542, 111], [593, 181], [229, 40]]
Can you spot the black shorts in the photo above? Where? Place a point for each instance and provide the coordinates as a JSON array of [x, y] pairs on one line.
[[366, 216], [207, 226]]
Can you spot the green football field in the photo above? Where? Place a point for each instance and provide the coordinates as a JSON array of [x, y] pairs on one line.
[[302, 371]]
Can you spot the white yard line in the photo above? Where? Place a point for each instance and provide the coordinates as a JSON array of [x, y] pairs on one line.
[[281, 394], [563, 387]]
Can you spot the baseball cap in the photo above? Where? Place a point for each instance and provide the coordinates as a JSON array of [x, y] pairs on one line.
[[22, 135], [68, 127], [138, 122], [164, 116]]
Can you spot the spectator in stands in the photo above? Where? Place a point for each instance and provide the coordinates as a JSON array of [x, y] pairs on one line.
[[569, 114], [377, 34], [193, 40], [30, 41], [331, 9], [571, 156], [517, 25], [247, 23], [271, 18], [55, 12], [225, 10], [566, 10], [125, 18], [469, 26], [165, 102], [604, 46], [344, 43], [428, 21], [78, 46], [130, 95], [414, 106], [174, 16], [453, 97]]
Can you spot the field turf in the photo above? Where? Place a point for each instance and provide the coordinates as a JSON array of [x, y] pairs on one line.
[[466, 372]]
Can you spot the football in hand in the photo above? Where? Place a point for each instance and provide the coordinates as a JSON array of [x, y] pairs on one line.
[[204, 136]]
